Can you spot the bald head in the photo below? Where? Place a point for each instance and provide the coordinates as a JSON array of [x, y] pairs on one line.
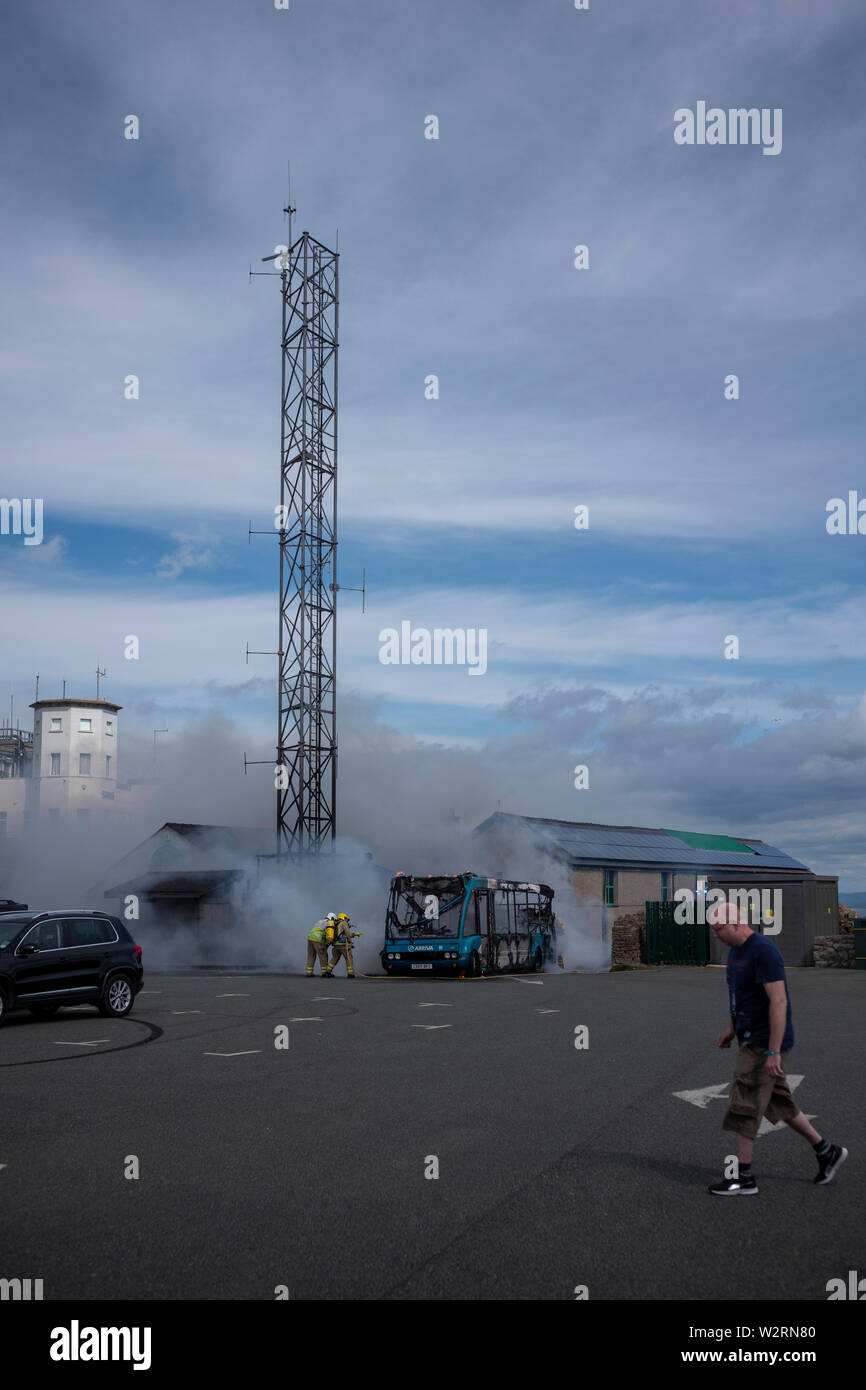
[[729, 924]]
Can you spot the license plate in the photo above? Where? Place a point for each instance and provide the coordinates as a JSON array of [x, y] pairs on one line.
[[422, 967]]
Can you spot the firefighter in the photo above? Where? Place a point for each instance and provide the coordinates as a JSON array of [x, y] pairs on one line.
[[317, 947], [342, 946]]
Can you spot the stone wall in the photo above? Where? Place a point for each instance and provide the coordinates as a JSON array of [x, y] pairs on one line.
[[627, 940], [835, 952]]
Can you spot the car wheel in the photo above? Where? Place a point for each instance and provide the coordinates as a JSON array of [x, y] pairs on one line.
[[4, 1006], [117, 997], [44, 1010]]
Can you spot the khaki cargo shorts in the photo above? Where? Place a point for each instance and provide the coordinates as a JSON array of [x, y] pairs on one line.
[[755, 1095]]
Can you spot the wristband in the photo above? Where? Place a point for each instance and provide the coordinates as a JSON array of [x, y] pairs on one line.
[[772, 1054]]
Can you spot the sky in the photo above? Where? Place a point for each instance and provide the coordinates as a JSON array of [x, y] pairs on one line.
[[559, 387]]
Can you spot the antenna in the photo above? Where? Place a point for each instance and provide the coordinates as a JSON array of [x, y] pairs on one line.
[[64, 690], [155, 732], [288, 210], [37, 686], [98, 674]]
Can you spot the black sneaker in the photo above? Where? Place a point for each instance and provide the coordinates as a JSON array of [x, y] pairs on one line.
[[734, 1187], [829, 1164]]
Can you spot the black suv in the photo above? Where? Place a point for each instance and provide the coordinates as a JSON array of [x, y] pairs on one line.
[[48, 959]]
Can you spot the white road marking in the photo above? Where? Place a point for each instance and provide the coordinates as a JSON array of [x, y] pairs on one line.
[[547, 1011], [248, 1053], [305, 1020], [150, 991], [233, 996], [766, 1127], [435, 1006], [432, 1027], [701, 1098], [4, 1165], [517, 980], [319, 997], [178, 1012], [93, 1043]]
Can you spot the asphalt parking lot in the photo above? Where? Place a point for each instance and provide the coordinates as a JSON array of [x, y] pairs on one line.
[[304, 1166]]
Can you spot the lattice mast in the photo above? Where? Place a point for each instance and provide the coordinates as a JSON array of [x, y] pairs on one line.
[[307, 649]]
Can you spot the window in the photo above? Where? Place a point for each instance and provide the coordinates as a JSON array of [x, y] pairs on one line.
[[87, 931], [666, 887], [55, 764], [84, 764], [108, 764], [56, 726], [45, 936], [609, 887], [109, 727], [85, 726]]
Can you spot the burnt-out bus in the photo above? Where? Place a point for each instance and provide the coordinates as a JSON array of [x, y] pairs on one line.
[[464, 925]]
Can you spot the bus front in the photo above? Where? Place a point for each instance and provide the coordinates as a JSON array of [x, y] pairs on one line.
[[424, 925]]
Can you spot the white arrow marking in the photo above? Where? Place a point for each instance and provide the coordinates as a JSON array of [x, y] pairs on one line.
[[702, 1098], [248, 1053], [431, 1027], [94, 1043], [766, 1127]]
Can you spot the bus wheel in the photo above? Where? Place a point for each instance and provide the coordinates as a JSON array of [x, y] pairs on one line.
[[474, 966], [539, 963]]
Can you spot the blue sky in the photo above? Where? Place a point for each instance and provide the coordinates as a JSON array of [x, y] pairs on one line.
[[557, 386]]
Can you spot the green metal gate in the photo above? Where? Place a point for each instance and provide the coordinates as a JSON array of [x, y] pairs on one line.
[[859, 925], [674, 943]]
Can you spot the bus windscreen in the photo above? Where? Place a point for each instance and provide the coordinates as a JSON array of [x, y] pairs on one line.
[[425, 907]]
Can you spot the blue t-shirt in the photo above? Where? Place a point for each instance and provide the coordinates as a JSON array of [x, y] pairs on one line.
[[751, 966]]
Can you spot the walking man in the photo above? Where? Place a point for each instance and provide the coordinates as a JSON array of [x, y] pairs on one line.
[[761, 1023]]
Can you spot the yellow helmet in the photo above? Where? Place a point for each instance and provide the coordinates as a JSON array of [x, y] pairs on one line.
[[342, 916]]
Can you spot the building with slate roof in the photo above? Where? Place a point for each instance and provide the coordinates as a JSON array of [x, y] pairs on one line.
[[619, 868]]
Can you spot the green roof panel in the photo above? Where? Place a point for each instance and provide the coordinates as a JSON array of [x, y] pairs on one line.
[[712, 842]]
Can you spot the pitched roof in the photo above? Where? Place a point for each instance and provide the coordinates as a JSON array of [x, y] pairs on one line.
[[224, 837], [583, 842]]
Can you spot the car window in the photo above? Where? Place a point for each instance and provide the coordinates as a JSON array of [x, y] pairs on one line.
[[45, 936], [86, 931], [10, 927]]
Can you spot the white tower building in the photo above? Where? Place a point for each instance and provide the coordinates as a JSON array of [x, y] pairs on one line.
[[74, 759]]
